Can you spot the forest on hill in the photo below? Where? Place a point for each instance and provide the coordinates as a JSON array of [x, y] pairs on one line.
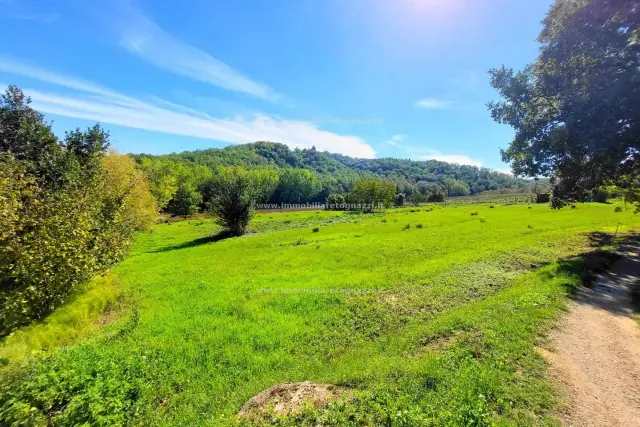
[[309, 175]]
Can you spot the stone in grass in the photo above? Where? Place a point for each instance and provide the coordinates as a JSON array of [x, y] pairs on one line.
[[289, 398]]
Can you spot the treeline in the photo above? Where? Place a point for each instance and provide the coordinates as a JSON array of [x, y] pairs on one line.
[[68, 210], [181, 180]]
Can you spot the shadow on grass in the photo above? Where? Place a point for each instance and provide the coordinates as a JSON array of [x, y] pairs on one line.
[[197, 242], [610, 279]]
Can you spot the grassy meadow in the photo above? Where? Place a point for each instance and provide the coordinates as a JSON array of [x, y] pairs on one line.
[[430, 315]]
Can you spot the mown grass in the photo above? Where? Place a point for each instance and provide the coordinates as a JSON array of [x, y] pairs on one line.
[[431, 325]]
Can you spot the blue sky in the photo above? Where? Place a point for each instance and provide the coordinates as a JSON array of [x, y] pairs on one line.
[[366, 78]]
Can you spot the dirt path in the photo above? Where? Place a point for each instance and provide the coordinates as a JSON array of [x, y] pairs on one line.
[[596, 356]]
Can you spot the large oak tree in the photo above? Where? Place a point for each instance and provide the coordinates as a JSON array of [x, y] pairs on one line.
[[576, 110]]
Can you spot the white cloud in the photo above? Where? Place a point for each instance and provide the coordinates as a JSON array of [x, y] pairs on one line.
[[143, 37], [453, 158], [396, 140], [432, 103], [421, 153], [506, 171], [93, 102]]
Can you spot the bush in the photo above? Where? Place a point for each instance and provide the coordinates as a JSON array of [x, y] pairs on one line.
[[315, 229], [67, 211], [602, 195], [336, 202], [419, 225], [372, 193], [234, 194], [474, 213], [398, 199], [618, 209]]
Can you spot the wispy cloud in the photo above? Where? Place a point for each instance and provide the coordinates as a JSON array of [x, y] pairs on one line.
[[416, 152], [460, 159], [396, 140], [94, 102], [432, 103], [506, 171], [141, 36], [423, 153]]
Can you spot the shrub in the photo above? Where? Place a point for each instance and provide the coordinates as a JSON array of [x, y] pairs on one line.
[[316, 229], [398, 199], [234, 194], [491, 206], [474, 213], [67, 211], [336, 202], [384, 220], [602, 195], [406, 226], [372, 193], [419, 225], [618, 209]]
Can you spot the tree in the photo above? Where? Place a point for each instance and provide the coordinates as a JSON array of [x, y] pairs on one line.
[[67, 211], [234, 194], [296, 186], [27, 138], [372, 193], [185, 201], [336, 202], [576, 110]]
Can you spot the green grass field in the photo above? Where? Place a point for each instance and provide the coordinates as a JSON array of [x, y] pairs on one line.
[[430, 315]]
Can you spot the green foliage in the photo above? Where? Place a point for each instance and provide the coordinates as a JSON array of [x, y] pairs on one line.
[[398, 199], [234, 194], [372, 193], [575, 111], [66, 214], [336, 202], [185, 202], [602, 195], [336, 174], [296, 186]]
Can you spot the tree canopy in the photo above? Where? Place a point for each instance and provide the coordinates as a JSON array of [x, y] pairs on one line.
[[576, 109]]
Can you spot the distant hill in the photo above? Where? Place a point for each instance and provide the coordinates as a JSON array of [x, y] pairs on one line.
[[337, 172]]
